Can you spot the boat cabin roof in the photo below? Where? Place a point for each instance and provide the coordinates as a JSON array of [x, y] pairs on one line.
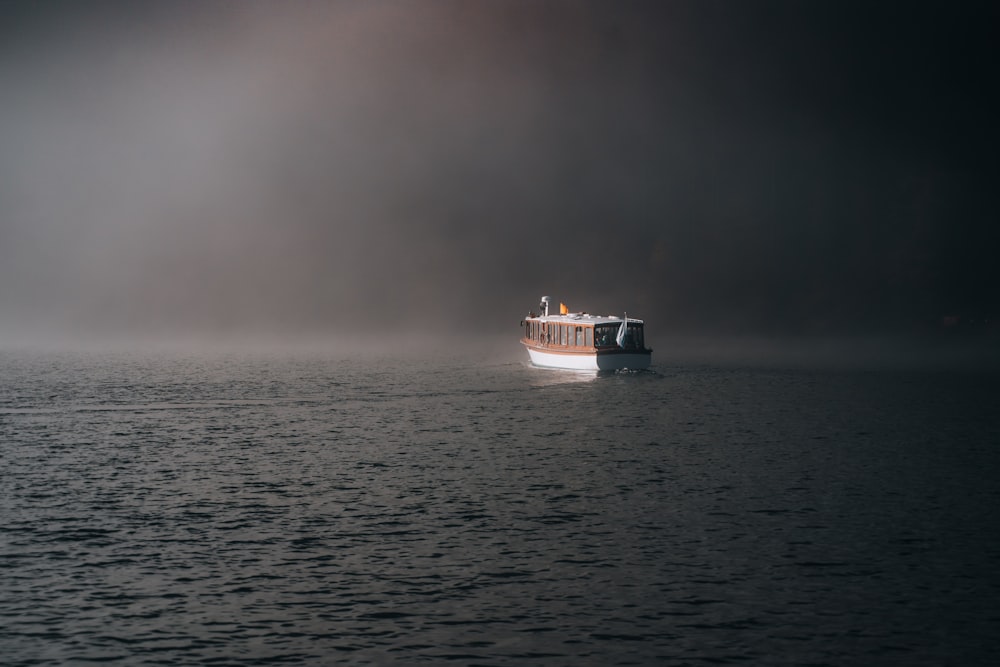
[[582, 318]]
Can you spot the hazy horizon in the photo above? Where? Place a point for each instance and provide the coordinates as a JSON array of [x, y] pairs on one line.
[[769, 170]]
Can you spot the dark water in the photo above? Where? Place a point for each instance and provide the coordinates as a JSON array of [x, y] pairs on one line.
[[238, 509]]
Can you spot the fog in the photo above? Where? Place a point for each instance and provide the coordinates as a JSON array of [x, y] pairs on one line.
[[298, 170]]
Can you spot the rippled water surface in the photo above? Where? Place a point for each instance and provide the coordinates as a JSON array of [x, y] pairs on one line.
[[239, 509]]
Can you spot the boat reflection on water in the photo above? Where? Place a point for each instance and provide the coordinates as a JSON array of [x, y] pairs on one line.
[[549, 377]]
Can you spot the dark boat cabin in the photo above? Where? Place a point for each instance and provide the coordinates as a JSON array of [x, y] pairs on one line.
[[581, 335]]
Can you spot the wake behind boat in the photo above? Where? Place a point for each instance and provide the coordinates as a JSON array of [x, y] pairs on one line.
[[580, 341]]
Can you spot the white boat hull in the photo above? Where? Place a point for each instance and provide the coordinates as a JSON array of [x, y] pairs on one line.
[[612, 360]]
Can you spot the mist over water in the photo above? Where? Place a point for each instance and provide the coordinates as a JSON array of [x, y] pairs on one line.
[[261, 271], [307, 169]]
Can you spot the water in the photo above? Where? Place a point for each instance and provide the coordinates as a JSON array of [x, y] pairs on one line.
[[244, 508]]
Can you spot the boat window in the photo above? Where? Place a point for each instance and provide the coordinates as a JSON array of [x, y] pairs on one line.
[[589, 339], [604, 335], [563, 331], [633, 337], [579, 336]]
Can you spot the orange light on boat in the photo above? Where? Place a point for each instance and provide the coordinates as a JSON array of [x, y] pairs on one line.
[[563, 309]]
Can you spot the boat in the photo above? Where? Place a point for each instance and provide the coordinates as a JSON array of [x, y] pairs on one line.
[[584, 342]]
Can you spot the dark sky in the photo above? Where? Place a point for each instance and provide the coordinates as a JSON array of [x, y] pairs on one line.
[[289, 168]]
